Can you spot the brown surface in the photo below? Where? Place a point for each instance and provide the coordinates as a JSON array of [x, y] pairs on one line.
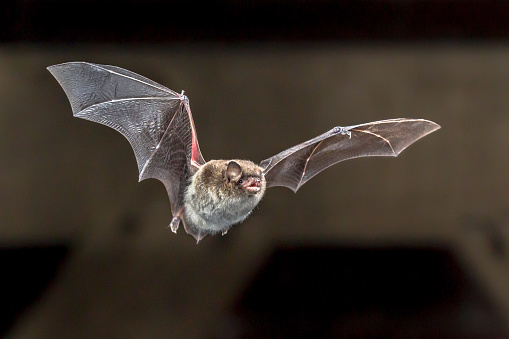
[[69, 180]]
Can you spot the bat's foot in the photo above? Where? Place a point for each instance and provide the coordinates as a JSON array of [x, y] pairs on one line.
[[174, 224], [342, 131], [224, 232]]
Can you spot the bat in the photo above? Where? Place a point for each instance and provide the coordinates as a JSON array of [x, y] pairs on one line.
[[209, 197]]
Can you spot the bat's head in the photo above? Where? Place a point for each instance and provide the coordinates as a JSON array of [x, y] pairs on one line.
[[244, 177]]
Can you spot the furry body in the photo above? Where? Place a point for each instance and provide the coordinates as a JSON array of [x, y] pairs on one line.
[[213, 204]]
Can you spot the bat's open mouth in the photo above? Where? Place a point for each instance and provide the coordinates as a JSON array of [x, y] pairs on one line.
[[252, 185]]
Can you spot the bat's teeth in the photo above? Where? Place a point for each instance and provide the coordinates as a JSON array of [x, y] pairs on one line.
[[255, 183], [254, 186], [253, 189]]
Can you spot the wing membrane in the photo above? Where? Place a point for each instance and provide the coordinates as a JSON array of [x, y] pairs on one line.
[[156, 121], [293, 167]]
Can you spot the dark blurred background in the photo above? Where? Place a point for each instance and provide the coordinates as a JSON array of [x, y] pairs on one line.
[[413, 247]]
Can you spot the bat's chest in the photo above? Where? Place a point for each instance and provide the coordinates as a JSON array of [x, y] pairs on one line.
[[216, 213]]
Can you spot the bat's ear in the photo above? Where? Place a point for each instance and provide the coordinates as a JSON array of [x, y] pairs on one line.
[[233, 171]]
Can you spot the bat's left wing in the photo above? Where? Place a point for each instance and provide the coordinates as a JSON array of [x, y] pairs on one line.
[[293, 167], [156, 121]]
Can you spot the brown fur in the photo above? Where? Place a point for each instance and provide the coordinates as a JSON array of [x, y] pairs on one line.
[[213, 204]]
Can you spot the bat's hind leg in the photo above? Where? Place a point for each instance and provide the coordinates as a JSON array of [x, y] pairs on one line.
[[174, 224]]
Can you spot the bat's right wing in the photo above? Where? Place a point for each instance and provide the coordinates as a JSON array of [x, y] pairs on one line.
[[293, 167], [156, 121]]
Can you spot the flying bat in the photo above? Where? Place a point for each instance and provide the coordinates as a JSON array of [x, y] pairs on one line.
[[209, 197]]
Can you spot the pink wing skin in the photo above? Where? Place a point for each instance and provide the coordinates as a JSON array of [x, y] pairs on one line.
[[293, 167], [156, 121], [196, 157]]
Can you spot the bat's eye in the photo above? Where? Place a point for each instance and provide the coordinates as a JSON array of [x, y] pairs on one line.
[[240, 182]]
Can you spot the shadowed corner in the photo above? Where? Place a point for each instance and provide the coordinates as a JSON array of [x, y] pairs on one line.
[[27, 273], [388, 292]]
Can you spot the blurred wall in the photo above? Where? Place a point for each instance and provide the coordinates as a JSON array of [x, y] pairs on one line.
[[69, 180]]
